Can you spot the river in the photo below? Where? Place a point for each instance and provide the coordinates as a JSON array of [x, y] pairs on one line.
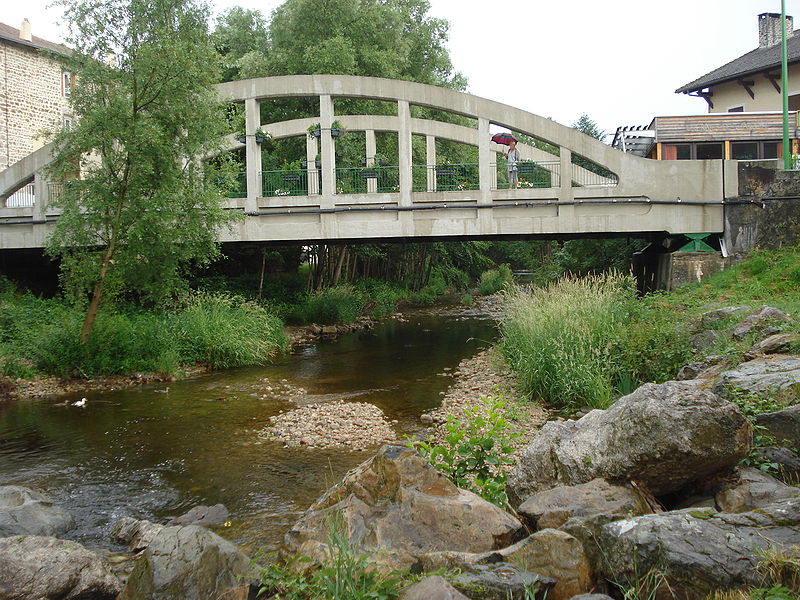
[[156, 451]]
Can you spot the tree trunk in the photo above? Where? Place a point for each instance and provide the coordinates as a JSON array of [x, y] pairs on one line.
[[97, 296], [338, 273]]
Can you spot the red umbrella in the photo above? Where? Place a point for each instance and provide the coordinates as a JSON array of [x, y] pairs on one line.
[[504, 138]]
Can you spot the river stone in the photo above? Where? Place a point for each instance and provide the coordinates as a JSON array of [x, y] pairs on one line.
[[434, 587], [699, 550], [27, 512], [774, 376], [46, 568], [202, 515], [188, 563], [758, 320], [135, 533], [662, 435], [398, 507], [704, 339], [713, 317], [550, 552], [552, 508], [753, 489], [788, 462], [783, 424], [774, 344], [501, 582]]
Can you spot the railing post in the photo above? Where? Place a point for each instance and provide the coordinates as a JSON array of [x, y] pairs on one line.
[[430, 160], [566, 212], [252, 121], [371, 150], [327, 151], [311, 164], [41, 191], [485, 217], [404, 151]]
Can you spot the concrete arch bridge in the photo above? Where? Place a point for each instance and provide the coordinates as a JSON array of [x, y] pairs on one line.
[[579, 187]]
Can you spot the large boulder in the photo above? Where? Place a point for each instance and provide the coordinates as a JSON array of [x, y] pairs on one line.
[[552, 508], [203, 515], [777, 376], [752, 489], [552, 553], [783, 424], [188, 563], [663, 436], [27, 512], [398, 507], [699, 550], [46, 568]]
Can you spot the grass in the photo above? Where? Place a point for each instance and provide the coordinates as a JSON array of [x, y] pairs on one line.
[[220, 330], [571, 343], [585, 342]]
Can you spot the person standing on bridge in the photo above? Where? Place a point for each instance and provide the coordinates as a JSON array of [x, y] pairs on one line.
[[513, 158]]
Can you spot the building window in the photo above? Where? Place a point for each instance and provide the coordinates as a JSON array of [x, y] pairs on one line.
[[773, 150], [676, 152], [736, 109], [67, 123], [744, 150], [794, 102], [709, 151], [66, 83]]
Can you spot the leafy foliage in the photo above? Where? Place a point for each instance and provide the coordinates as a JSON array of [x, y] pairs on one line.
[[144, 206], [474, 451]]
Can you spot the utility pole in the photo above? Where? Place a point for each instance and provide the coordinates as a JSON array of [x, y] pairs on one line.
[[787, 152]]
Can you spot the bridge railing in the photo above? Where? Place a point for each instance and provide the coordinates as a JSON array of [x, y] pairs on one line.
[[291, 182], [362, 180]]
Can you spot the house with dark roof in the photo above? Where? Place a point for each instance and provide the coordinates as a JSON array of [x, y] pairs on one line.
[[34, 91], [744, 118]]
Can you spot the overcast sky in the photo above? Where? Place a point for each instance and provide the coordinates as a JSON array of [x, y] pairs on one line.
[[618, 61]]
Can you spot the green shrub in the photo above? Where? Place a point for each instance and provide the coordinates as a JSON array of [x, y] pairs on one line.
[[227, 331], [563, 340], [494, 280], [468, 300], [474, 450], [338, 304]]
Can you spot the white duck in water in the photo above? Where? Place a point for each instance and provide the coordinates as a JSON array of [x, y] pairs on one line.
[[81, 403]]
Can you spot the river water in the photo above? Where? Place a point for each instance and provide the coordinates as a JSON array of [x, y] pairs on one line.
[[155, 451]]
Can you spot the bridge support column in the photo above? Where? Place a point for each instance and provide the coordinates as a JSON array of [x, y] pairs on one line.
[[311, 157], [404, 163], [252, 121], [566, 213], [371, 149], [430, 160]]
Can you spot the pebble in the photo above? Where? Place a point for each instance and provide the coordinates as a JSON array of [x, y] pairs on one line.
[[339, 424]]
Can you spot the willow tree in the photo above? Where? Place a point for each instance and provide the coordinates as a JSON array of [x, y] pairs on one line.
[[145, 205]]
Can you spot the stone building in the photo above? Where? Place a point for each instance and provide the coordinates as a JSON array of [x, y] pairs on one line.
[[34, 91]]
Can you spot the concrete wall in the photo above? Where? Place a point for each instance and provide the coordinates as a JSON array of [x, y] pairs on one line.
[[767, 212], [31, 100]]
